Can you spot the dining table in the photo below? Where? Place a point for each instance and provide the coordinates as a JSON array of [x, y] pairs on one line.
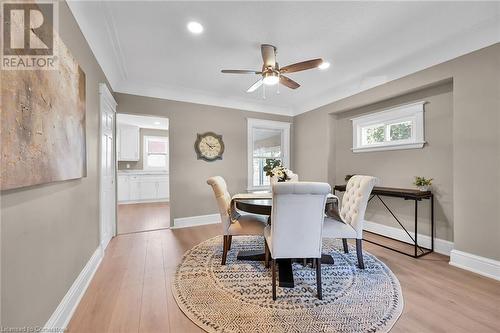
[[261, 204]]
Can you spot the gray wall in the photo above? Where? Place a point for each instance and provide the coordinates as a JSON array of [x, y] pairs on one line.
[[397, 168], [189, 193], [49, 232], [142, 132], [476, 142]]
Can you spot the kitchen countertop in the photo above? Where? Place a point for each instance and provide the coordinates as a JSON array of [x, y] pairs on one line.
[[141, 172]]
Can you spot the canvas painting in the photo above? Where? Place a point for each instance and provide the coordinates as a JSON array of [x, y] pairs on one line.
[[42, 115]]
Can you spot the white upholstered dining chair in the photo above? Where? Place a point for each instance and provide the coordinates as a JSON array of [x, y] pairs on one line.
[[233, 223], [296, 224], [349, 223]]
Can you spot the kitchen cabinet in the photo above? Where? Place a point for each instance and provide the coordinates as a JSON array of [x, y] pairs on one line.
[[123, 188], [142, 187], [128, 139]]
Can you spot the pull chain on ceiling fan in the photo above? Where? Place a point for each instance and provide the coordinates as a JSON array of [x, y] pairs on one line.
[[271, 72]]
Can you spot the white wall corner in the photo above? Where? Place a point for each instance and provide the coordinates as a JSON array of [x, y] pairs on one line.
[[64, 311], [193, 221], [477, 264], [441, 246]]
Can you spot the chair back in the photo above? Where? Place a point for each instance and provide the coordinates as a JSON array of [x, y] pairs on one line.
[[297, 219], [354, 201], [223, 199]]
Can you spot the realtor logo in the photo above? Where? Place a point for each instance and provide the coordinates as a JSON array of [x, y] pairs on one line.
[[28, 35]]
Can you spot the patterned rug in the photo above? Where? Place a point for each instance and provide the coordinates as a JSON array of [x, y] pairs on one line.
[[237, 297]]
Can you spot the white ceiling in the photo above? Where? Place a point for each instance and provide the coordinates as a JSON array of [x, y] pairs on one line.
[[142, 121], [144, 48]]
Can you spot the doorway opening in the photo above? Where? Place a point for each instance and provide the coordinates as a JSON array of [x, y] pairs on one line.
[[142, 153]]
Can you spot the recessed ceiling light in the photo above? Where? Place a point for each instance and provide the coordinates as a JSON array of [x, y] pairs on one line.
[[195, 27], [324, 65], [157, 123]]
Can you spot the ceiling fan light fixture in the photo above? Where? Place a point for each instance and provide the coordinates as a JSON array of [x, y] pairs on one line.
[[324, 65], [195, 27], [270, 79]]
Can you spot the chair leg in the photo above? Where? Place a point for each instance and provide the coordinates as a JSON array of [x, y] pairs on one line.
[[359, 252], [346, 247], [318, 277], [229, 239], [266, 259], [274, 278], [224, 250]]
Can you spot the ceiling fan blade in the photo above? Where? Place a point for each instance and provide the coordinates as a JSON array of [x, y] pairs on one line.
[[301, 66], [239, 71], [255, 86], [288, 82], [268, 55]]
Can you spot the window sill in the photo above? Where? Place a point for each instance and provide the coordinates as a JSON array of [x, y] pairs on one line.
[[259, 189], [415, 145]]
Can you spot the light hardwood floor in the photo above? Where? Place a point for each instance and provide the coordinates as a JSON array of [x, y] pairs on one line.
[[143, 217], [131, 292]]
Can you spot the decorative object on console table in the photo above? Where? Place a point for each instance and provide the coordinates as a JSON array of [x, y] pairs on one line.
[[406, 194], [209, 146], [423, 183], [43, 123]]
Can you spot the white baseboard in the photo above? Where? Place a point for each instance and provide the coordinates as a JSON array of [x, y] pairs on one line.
[[477, 264], [440, 245], [192, 221], [129, 202], [64, 311]]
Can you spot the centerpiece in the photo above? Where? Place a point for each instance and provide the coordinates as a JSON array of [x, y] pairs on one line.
[[277, 171]]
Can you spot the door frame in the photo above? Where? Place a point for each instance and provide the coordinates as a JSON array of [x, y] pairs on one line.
[[106, 100]]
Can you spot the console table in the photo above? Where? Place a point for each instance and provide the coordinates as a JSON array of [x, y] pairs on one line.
[[406, 194]]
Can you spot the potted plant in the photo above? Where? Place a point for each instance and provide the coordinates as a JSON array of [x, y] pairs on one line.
[[423, 183], [276, 171]]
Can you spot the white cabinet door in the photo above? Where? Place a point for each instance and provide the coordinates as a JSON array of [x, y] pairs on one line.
[[148, 188], [135, 188], [123, 188], [163, 188], [128, 143]]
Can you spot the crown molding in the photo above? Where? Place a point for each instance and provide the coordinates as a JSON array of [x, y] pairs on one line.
[[197, 97], [115, 41], [476, 38], [110, 57]]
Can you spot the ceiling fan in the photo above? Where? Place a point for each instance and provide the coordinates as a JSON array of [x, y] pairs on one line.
[[272, 73]]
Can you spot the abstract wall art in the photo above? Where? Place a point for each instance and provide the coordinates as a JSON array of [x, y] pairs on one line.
[[42, 114]]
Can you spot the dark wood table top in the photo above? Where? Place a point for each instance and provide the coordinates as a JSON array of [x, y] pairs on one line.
[[262, 206], [405, 193]]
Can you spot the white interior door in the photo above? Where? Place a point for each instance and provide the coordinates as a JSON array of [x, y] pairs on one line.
[[107, 165]]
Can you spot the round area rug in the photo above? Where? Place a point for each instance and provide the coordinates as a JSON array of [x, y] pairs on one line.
[[237, 297]]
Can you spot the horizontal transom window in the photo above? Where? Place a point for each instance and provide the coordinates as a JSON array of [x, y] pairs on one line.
[[397, 128]]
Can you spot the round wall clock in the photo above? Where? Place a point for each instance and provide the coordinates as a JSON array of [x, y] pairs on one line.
[[209, 146]]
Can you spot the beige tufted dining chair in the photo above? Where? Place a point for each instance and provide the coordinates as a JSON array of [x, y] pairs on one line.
[[352, 214], [233, 223]]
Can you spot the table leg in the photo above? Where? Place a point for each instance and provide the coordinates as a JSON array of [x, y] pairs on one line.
[[284, 265]]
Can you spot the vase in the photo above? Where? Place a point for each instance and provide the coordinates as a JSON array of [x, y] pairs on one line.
[[424, 188]]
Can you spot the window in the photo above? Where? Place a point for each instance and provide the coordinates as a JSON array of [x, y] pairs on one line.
[[155, 153], [266, 139], [396, 128]]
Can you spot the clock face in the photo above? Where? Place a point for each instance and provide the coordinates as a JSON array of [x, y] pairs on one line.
[[209, 146]]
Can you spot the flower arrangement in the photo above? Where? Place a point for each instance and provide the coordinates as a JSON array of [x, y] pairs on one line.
[[275, 169], [423, 183]]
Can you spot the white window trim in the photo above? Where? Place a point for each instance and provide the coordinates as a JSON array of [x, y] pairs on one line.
[[413, 112], [145, 152], [285, 144]]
